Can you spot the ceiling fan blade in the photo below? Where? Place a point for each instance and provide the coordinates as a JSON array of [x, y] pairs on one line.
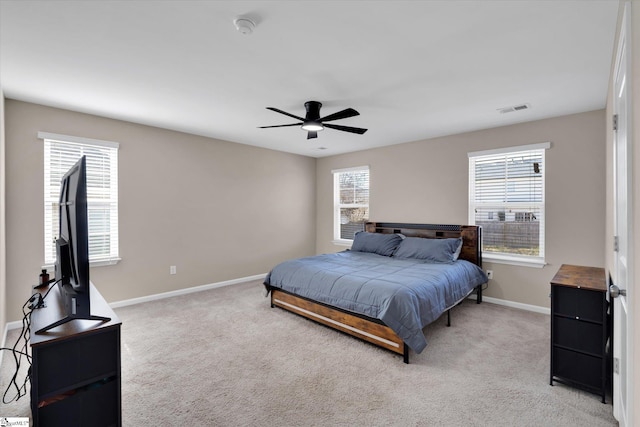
[[349, 112], [279, 126], [285, 113], [312, 134], [345, 128]]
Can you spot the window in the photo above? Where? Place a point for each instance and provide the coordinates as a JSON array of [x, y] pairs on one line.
[[506, 198], [60, 153], [351, 202]]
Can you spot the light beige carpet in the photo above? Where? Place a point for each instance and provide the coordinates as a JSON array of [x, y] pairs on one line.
[[224, 357]]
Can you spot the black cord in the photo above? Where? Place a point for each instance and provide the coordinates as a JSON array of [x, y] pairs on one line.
[[51, 287], [34, 302], [21, 390], [19, 352]]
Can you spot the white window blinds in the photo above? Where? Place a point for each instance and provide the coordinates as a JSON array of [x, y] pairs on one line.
[[351, 201], [506, 197], [60, 153]]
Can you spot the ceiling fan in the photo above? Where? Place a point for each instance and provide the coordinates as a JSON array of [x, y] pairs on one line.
[[313, 123]]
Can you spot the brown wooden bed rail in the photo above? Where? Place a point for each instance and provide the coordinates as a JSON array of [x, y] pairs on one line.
[[359, 326]]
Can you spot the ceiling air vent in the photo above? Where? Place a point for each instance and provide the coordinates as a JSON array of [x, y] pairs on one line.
[[514, 108]]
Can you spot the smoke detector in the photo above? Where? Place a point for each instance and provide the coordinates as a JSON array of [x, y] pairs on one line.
[[244, 25]]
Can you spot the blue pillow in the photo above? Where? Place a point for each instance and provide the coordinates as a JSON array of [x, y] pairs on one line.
[[432, 250], [377, 243]]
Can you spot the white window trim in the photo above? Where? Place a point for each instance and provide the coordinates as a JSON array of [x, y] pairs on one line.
[[85, 141], [101, 263], [523, 260], [342, 242], [529, 147], [77, 140], [336, 203]]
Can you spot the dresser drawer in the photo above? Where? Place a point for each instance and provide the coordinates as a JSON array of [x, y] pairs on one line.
[[578, 335], [60, 371], [578, 303], [578, 368]]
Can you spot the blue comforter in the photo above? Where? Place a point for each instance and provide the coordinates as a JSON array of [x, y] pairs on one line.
[[405, 294]]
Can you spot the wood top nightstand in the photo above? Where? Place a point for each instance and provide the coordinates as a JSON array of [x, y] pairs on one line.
[[579, 328]]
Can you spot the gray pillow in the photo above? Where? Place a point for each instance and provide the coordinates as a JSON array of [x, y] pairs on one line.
[[432, 250], [377, 243]]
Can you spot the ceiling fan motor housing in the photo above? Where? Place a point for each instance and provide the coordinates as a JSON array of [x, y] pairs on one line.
[[313, 110]]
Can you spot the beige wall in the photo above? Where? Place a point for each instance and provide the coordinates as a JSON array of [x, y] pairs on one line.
[[216, 210], [635, 302], [3, 234], [427, 182]]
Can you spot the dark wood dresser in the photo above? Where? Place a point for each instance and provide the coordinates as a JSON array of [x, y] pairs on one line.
[[579, 328], [75, 371]]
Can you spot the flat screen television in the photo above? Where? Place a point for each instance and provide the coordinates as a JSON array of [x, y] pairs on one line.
[[72, 247]]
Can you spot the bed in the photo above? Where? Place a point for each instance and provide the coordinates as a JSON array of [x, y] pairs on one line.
[[396, 279]]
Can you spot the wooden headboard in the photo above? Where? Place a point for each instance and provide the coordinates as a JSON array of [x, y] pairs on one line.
[[471, 235]]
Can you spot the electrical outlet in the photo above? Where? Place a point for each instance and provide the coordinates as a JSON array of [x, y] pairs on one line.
[[490, 274], [172, 269]]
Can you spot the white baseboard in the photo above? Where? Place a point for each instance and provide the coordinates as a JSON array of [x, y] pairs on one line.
[[185, 291], [10, 325], [513, 304], [3, 342], [18, 324], [154, 297]]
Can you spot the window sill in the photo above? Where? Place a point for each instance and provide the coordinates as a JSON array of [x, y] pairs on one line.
[[101, 263], [513, 260], [105, 262], [342, 242]]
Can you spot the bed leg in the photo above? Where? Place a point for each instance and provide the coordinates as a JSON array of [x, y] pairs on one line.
[[479, 294], [406, 354], [449, 317]]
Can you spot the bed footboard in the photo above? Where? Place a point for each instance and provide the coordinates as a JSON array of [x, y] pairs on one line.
[[367, 329]]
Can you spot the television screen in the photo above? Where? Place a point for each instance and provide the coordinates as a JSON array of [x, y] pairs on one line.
[[72, 247], [73, 242]]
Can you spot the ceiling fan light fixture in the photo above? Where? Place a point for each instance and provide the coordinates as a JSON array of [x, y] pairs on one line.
[[312, 126]]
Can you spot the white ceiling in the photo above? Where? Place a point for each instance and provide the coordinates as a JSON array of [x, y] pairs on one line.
[[413, 69]]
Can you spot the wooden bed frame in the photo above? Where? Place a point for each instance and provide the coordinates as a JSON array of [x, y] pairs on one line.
[[368, 328]]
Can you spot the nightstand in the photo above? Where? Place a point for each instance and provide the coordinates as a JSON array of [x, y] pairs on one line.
[[579, 328]]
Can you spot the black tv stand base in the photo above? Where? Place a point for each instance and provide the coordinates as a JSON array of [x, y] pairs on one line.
[[69, 319]]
